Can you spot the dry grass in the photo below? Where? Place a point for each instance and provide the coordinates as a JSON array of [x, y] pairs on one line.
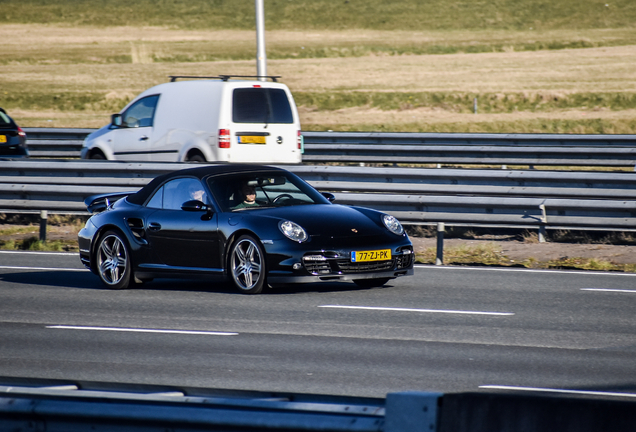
[[490, 254], [45, 61]]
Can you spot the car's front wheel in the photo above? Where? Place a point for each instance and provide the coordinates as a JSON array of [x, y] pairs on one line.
[[113, 261], [247, 265]]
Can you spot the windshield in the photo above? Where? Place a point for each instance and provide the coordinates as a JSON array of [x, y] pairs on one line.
[[248, 191]]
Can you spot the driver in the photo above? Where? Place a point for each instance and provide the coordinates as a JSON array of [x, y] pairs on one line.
[[249, 197]]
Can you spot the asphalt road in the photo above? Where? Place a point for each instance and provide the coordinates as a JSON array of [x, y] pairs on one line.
[[445, 329]]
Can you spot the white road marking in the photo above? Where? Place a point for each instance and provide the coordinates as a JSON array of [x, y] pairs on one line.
[[42, 268], [418, 310], [38, 253], [503, 269], [551, 390], [609, 290], [141, 330]]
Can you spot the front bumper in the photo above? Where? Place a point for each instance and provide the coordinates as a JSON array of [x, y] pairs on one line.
[[324, 266], [296, 279]]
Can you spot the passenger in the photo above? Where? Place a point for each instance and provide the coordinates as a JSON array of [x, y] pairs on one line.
[[197, 193], [249, 197]]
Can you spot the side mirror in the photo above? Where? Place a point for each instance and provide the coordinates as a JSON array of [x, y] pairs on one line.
[[195, 206], [116, 120], [329, 196]]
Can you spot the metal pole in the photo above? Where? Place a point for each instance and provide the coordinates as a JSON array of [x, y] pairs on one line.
[[261, 57], [440, 244], [44, 215]]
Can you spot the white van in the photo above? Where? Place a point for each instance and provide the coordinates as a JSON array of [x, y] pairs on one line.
[[205, 120]]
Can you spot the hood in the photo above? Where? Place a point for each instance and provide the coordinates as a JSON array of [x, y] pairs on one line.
[[336, 220], [98, 133]]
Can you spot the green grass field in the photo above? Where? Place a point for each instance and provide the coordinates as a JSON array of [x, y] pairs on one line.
[[408, 15], [409, 65]]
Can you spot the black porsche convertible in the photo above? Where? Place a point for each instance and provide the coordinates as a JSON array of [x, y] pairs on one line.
[[254, 225]]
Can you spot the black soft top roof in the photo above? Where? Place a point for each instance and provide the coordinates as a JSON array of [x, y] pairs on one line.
[[199, 172]]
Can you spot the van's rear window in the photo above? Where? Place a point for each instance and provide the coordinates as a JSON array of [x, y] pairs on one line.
[[261, 105]]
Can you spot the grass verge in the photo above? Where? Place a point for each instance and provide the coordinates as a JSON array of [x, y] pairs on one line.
[[490, 254], [35, 244]]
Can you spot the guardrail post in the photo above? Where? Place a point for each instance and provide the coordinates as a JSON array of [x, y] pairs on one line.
[[44, 215], [544, 221], [411, 412], [439, 260]]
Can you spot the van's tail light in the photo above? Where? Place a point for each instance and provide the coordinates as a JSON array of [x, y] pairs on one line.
[[224, 138], [299, 139]]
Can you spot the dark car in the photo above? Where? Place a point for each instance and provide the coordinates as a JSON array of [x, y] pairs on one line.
[[12, 137], [254, 225]]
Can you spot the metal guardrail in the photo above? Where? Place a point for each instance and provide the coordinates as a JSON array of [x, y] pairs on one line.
[[414, 148], [527, 199], [64, 405], [538, 200], [67, 405], [464, 148]]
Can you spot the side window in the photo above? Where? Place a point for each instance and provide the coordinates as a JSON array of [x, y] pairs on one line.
[[178, 191], [157, 199], [141, 113], [261, 105]]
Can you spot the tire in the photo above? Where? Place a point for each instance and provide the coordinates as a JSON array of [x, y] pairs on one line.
[[247, 265], [196, 158], [113, 261], [371, 283], [97, 156]]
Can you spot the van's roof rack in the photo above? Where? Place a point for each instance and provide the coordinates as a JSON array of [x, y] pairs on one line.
[[173, 78]]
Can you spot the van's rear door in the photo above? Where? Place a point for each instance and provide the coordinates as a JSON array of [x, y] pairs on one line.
[[264, 125]]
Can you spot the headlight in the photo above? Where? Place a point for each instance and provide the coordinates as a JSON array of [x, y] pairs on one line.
[[392, 224], [293, 231]]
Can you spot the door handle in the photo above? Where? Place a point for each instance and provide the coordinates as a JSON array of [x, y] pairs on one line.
[[154, 226], [143, 138]]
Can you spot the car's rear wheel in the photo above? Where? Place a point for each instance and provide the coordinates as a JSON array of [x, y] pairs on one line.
[[113, 261], [247, 265], [371, 283]]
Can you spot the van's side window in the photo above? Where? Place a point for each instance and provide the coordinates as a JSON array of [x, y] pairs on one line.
[[141, 113], [261, 105]]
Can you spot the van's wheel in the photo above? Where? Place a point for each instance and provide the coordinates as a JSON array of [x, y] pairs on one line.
[[97, 156], [113, 261], [371, 283], [247, 265], [195, 158]]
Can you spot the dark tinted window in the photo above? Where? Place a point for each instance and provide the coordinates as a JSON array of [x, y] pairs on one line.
[[5, 120], [261, 105]]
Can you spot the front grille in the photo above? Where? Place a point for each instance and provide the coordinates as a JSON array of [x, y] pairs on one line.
[[346, 266], [317, 268], [326, 263], [403, 261]]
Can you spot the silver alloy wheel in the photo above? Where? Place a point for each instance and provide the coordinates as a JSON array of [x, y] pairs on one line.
[[112, 260], [246, 263]]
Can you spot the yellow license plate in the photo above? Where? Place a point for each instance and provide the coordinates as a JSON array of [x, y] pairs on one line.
[[3, 138], [374, 255], [249, 139]]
